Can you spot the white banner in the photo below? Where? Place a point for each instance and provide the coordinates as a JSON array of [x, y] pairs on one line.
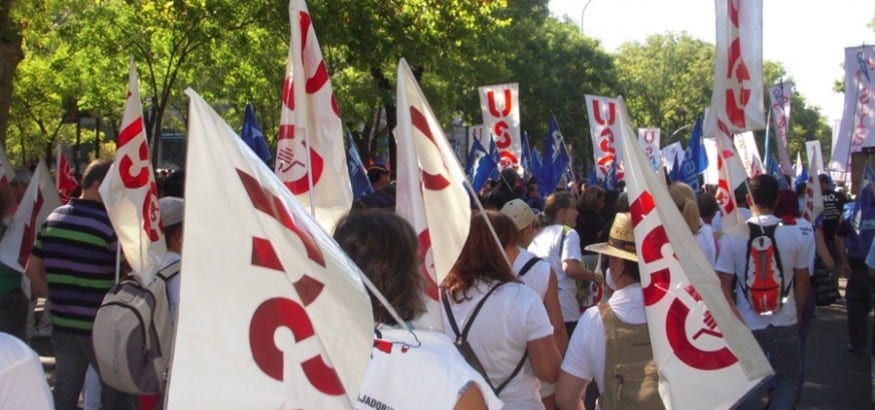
[[39, 200], [737, 99], [706, 356], [430, 193], [311, 159], [500, 105], [731, 174], [710, 175], [857, 129], [747, 149], [779, 98], [129, 191], [649, 140], [672, 151], [815, 157], [280, 320], [605, 129]]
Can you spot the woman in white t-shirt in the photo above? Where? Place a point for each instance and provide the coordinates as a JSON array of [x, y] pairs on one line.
[[685, 199], [409, 369], [511, 334]]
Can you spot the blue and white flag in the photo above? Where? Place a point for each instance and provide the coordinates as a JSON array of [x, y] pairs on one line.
[[479, 165], [677, 173], [252, 135], [526, 157], [689, 169], [696, 148], [536, 163], [358, 175], [774, 169]]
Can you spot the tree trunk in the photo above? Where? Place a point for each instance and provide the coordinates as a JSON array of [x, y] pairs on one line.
[[10, 55]]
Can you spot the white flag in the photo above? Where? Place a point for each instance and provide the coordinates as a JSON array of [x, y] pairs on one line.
[[7, 198], [604, 128], [737, 98], [430, 191], [649, 140], [748, 152], [672, 151], [274, 315], [779, 97], [857, 129], [813, 194], [710, 175], [310, 156], [129, 191], [731, 175], [815, 157], [39, 200], [706, 356], [500, 105]]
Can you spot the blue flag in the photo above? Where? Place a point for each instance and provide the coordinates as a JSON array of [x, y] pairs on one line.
[[803, 176], [774, 169], [358, 175], [252, 135], [688, 170], [697, 148], [560, 166], [526, 156], [591, 179], [677, 173], [495, 175], [867, 189], [611, 178], [479, 165], [546, 179], [536, 163]]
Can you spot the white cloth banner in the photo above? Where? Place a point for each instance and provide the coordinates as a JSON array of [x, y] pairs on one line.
[[649, 140], [129, 191], [710, 175], [706, 356], [731, 174], [747, 149], [280, 320], [39, 200], [815, 157], [857, 129], [311, 159], [605, 129], [500, 105], [672, 151], [779, 97], [737, 99], [7, 198], [430, 191]]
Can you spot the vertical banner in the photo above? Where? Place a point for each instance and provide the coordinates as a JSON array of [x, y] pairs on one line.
[[779, 99], [857, 129], [310, 157], [706, 356], [649, 140], [500, 105], [747, 149], [604, 128], [815, 157]]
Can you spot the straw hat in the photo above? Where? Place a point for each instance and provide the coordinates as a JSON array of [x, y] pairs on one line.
[[621, 241], [520, 212]]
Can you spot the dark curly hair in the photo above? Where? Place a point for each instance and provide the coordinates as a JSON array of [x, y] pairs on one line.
[[384, 246]]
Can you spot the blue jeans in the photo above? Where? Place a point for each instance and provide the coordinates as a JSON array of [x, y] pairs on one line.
[[781, 345], [73, 353]]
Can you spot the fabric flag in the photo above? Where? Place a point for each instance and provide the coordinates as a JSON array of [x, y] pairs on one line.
[[649, 138], [803, 176], [737, 98], [500, 105], [611, 178], [252, 135], [526, 157], [430, 190], [710, 174], [689, 170], [480, 166], [7, 198], [779, 98], [671, 152], [706, 356], [358, 175], [749, 153], [697, 148], [604, 128], [756, 166], [39, 200], [495, 157], [478, 133], [310, 151], [774, 169], [536, 162], [731, 177], [562, 162], [813, 198], [815, 156], [591, 179], [677, 174], [799, 170], [552, 167], [65, 178], [294, 325], [857, 129], [130, 194]]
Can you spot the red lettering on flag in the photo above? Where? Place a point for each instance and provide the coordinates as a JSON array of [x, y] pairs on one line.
[[686, 351], [508, 103]]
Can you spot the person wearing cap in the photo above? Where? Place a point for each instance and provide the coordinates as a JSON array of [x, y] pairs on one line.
[[614, 334], [383, 195], [537, 274]]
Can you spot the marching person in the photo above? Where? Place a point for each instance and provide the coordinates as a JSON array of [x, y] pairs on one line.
[[613, 336]]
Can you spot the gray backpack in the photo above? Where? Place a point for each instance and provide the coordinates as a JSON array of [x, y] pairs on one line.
[[133, 334]]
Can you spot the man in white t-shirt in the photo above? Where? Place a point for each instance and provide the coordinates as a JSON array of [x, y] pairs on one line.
[[776, 333], [591, 350], [559, 245]]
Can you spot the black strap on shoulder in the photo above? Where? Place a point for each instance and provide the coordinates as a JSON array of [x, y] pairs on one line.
[[516, 371], [169, 271], [531, 262]]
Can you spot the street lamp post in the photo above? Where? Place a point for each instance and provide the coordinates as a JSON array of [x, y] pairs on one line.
[[679, 130], [582, 14]]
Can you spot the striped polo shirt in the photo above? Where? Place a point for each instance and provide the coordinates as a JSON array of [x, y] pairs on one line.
[[78, 247]]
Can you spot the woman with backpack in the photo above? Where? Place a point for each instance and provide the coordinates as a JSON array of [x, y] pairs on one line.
[[502, 320]]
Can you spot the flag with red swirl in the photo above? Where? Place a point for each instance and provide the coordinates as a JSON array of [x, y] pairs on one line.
[[280, 320], [129, 191], [65, 179], [706, 356], [39, 200], [430, 191], [311, 158]]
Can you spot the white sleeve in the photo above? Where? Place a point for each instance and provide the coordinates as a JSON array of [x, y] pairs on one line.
[[571, 246], [802, 261], [579, 360], [726, 258]]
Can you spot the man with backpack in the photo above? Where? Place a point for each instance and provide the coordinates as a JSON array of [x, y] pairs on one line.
[[73, 264], [769, 273]]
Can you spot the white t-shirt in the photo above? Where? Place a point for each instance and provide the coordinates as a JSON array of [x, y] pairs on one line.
[[793, 249], [538, 275], [585, 357], [512, 316], [421, 372], [717, 221], [22, 381], [708, 243], [807, 230], [548, 244]]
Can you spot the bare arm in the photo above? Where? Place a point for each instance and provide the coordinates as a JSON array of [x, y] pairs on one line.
[[36, 271], [802, 282], [554, 312], [574, 269], [471, 399], [727, 283], [569, 390], [823, 251], [545, 358]]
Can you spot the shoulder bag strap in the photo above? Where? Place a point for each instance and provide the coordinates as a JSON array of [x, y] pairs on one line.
[[529, 265]]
